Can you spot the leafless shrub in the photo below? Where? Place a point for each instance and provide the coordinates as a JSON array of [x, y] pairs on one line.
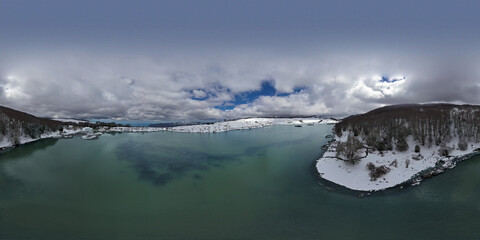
[[377, 172]]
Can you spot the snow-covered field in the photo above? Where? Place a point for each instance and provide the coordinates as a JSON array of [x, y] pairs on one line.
[[248, 123], [357, 177]]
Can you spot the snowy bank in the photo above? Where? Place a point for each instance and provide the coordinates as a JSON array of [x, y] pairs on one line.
[[66, 133], [404, 166], [249, 123]]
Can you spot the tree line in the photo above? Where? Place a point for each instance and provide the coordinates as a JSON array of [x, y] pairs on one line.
[[430, 125]]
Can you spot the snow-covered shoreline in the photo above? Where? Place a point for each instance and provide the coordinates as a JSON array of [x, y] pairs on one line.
[[403, 166], [247, 123], [5, 143], [67, 132]]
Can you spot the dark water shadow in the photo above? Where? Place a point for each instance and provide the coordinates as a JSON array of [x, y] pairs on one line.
[[160, 165], [10, 185], [27, 149]]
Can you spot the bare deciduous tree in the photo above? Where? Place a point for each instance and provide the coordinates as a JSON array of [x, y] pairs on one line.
[[348, 150]]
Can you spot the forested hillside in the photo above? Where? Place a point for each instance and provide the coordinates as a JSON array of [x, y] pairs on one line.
[[15, 125], [429, 125]]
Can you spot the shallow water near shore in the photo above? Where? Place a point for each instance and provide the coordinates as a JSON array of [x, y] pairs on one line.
[[250, 184]]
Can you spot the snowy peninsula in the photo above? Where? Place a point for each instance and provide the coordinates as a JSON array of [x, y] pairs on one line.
[[400, 144], [403, 166]]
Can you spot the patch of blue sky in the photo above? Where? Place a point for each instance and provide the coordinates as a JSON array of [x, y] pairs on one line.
[[388, 79], [267, 88]]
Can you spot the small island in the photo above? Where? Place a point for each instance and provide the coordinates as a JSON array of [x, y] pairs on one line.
[[400, 144]]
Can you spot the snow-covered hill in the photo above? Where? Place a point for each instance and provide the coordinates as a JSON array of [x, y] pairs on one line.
[[400, 144]]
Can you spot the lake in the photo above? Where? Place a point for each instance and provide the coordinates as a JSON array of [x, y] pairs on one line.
[[249, 184]]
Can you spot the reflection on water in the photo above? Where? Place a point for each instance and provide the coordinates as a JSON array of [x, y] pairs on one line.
[[8, 183], [27, 149], [161, 164]]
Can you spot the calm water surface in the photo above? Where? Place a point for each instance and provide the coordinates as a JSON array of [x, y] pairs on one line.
[[255, 184]]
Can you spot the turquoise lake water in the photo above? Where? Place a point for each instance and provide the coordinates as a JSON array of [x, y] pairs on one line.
[[251, 184]]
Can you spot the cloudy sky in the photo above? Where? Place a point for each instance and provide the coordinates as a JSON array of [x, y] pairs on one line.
[[171, 60]]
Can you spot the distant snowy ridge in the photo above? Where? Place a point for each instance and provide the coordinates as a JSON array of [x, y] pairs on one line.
[[250, 123], [70, 120]]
